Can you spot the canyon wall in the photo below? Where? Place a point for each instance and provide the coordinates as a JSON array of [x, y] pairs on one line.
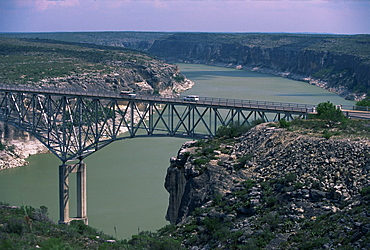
[[90, 69], [266, 179], [338, 63]]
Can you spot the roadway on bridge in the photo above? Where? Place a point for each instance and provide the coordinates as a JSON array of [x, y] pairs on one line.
[[202, 102]]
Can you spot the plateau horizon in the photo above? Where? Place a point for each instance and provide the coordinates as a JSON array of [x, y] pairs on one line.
[[316, 16]]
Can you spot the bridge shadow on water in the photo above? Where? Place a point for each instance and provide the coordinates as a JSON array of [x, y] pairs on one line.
[[125, 136]]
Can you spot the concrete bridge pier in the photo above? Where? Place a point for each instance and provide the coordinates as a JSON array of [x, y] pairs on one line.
[[64, 171]]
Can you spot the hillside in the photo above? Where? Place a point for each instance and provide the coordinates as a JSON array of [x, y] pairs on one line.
[[69, 65], [277, 186], [339, 63], [272, 188], [84, 67]]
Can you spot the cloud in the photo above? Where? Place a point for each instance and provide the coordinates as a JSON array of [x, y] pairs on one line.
[[42, 5]]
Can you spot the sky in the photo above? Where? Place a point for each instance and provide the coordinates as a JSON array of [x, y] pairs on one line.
[[291, 16]]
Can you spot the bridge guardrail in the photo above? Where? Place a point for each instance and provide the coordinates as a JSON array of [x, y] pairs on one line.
[[361, 108], [277, 106], [203, 100]]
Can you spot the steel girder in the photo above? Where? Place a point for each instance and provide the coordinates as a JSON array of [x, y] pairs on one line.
[[193, 120], [71, 127], [75, 126]]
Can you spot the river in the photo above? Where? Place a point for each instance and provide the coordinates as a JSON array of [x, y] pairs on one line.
[[125, 180]]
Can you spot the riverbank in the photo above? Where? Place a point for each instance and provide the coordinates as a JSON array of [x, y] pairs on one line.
[[16, 152], [342, 91], [339, 90], [132, 171]]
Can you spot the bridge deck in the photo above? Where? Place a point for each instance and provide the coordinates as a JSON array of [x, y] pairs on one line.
[[203, 101], [75, 124]]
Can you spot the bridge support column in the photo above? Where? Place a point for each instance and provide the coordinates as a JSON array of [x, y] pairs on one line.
[[63, 194], [81, 192], [64, 171]]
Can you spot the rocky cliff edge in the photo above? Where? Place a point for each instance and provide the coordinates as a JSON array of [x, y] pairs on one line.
[[264, 188]]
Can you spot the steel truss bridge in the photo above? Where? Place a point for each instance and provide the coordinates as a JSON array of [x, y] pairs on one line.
[[75, 124]]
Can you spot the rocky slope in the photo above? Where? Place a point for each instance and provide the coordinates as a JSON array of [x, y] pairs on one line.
[[48, 63], [338, 63], [17, 146], [271, 188]]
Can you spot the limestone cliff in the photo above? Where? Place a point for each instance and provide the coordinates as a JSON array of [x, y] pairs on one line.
[[292, 177], [16, 146], [338, 63], [55, 64]]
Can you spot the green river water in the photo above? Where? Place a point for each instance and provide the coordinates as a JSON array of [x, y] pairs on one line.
[[125, 180]]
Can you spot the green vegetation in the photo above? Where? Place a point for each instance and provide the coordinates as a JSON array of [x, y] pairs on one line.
[[329, 121], [29, 61], [179, 78], [349, 128], [24, 61], [346, 63], [2, 146], [30, 228], [208, 149], [234, 130], [283, 123], [364, 103], [328, 112], [269, 218], [9, 148]]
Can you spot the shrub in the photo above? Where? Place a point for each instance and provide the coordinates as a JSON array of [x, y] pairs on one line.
[[235, 129], [283, 123], [327, 134], [15, 225], [271, 201], [149, 240], [54, 243], [242, 161], [365, 192], [201, 161], [291, 177], [364, 103], [328, 112], [2, 146], [179, 78]]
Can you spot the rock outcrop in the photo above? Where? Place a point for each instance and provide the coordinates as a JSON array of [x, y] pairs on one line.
[[337, 63], [16, 146], [90, 68], [158, 78], [270, 171]]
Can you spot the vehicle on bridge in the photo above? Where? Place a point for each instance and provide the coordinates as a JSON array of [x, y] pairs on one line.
[[192, 98], [127, 93]]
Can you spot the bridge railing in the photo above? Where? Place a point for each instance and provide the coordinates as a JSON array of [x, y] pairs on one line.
[[250, 103], [232, 103], [361, 108], [238, 103]]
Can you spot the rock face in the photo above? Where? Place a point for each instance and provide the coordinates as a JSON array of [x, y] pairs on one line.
[[158, 78], [270, 171], [332, 62], [17, 145], [339, 63], [104, 71]]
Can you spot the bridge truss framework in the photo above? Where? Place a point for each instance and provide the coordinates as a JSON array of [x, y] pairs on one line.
[[73, 125]]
